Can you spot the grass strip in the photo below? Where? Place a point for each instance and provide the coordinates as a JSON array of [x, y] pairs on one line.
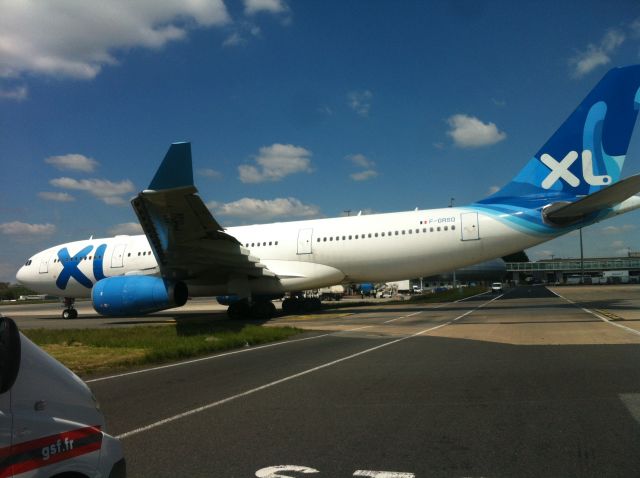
[[92, 351]]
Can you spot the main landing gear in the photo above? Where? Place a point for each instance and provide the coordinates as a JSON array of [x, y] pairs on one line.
[[257, 310], [69, 313], [297, 305]]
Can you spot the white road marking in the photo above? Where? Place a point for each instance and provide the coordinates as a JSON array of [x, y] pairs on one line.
[[203, 359], [211, 357], [290, 377], [598, 316], [383, 474], [632, 402]]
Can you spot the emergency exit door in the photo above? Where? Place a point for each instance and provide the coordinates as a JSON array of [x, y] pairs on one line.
[[470, 230], [305, 237]]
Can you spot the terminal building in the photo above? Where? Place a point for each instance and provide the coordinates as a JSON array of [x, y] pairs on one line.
[[604, 270]]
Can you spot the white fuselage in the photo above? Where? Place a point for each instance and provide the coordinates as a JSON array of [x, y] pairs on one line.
[[303, 254]]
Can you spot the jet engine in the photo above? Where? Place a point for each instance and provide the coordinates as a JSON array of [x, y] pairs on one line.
[[136, 295]]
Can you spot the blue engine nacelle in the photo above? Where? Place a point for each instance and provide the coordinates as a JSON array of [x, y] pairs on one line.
[[136, 295]]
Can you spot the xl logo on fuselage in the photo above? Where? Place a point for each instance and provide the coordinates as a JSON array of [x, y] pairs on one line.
[[560, 169], [71, 266]]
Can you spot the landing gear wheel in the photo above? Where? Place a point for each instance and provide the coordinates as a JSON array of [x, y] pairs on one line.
[[238, 310], [69, 314], [292, 306], [262, 310]]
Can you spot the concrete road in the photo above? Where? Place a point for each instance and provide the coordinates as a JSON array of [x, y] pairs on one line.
[[525, 384]]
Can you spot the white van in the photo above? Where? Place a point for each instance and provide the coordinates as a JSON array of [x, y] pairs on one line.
[[50, 423]]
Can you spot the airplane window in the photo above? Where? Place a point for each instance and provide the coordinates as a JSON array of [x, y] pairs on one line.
[[318, 240], [270, 242], [403, 231], [417, 231], [356, 236], [139, 254], [276, 243], [264, 243], [331, 238], [350, 237], [324, 239], [383, 234], [424, 229], [343, 238], [337, 238], [438, 228], [396, 233], [253, 244], [446, 228], [453, 228], [410, 231], [430, 229]]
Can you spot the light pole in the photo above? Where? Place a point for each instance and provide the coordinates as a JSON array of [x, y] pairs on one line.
[[581, 260]]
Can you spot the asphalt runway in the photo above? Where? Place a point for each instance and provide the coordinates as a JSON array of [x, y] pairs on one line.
[[525, 384]]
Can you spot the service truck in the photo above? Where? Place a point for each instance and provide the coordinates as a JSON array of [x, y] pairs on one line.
[[50, 422]]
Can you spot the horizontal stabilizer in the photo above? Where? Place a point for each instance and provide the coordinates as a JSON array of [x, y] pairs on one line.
[[561, 213]]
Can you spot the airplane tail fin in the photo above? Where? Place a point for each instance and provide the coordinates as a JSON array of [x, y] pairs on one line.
[[587, 152]]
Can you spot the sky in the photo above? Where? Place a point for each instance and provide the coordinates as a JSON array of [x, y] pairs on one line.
[[295, 109]]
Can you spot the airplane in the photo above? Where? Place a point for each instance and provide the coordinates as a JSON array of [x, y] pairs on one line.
[[571, 182]]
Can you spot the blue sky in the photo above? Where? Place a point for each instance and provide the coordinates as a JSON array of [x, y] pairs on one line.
[[294, 109]]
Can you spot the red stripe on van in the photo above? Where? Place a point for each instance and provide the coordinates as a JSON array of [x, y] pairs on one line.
[[45, 451]]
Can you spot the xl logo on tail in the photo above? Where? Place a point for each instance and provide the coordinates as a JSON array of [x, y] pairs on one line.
[[561, 170]]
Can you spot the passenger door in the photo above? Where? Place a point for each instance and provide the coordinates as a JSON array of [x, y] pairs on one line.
[[470, 229], [305, 238]]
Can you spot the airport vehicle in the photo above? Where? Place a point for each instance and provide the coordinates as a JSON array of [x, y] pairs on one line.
[[335, 292], [571, 182], [50, 423], [496, 287]]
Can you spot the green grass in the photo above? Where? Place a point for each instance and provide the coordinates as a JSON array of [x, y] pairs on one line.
[[91, 351]]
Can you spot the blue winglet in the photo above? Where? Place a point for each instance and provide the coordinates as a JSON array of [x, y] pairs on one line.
[[176, 170]]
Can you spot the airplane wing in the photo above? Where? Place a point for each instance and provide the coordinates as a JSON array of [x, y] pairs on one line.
[[186, 240], [605, 198]]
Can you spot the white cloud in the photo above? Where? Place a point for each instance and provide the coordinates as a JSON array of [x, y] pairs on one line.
[[470, 132], [275, 162], [68, 38], [209, 173], [611, 230], [364, 175], [76, 162], [18, 93], [17, 228], [235, 39], [596, 55], [251, 7], [362, 161], [58, 197], [107, 191], [264, 209], [360, 101], [126, 229]]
